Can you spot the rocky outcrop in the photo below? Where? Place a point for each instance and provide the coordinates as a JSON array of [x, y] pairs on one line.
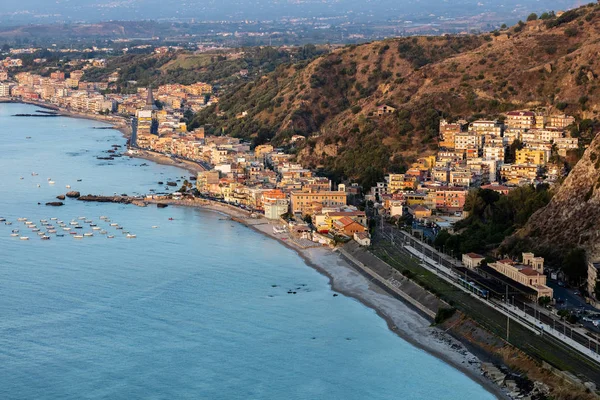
[[108, 199], [572, 217], [73, 194], [60, 197], [55, 203]]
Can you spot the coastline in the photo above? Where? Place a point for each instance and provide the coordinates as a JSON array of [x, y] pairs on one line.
[[403, 320]]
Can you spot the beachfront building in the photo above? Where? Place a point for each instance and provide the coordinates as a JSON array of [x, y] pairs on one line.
[[529, 273], [275, 203], [301, 201]]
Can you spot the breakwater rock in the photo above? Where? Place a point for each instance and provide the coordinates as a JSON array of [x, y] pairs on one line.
[[73, 194], [107, 199], [60, 197], [55, 203]]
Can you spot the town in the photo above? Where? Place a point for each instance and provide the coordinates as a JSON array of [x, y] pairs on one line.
[[519, 148]]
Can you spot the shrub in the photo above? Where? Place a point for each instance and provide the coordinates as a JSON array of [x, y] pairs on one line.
[[443, 314], [571, 31], [532, 17]]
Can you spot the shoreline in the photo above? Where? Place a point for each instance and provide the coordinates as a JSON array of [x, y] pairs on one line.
[[402, 319]]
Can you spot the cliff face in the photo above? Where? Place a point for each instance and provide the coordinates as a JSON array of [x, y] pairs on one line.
[[572, 218]]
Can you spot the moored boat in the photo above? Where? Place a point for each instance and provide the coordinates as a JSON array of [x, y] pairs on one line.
[[88, 234], [24, 238], [131, 236], [78, 236]]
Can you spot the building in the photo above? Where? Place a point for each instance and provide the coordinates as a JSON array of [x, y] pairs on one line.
[[472, 260], [205, 179], [362, 238], [384, 109], [4, 90], [348, 226], [301, 200], [520, 120], [275, 204], [530, 273], [530, 156]]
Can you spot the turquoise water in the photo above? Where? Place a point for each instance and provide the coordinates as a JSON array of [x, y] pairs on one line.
[[185, 310]]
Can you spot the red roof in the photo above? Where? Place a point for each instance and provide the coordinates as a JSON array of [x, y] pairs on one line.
[[474, 255]]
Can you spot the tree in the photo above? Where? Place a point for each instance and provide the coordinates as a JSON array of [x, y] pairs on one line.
[[544, 301], [532, 17], [308, 219], [575, 266]]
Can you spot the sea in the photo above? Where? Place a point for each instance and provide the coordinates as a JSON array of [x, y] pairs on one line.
[[194, 307]]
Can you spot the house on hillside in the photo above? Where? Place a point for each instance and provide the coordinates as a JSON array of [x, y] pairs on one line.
[[383, 110]]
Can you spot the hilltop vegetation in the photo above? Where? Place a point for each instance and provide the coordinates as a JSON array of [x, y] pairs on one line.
[[550, 62], [217, 67]]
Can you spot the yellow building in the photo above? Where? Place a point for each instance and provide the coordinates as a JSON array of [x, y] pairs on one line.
[[301, 201], [530, 156]]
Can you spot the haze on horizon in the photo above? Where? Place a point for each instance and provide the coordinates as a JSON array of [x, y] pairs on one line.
[[48, 11]]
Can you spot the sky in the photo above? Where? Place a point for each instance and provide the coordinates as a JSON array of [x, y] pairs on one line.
[[45, 11]]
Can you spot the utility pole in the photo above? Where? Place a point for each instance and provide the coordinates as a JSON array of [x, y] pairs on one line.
[[507, 318]]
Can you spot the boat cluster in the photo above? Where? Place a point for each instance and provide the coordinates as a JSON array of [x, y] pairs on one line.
[[50, 181], [77, 228]]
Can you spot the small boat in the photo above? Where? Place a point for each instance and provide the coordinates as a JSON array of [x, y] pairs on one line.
[[8, 223], [41, 234], [49, 179], [60, 235], [81, 218], [34, 174], [170, 219], [79, 180], [103, 232], [21, 219], [2, 219], [15, 231], [45, 237], [154, 226], [119, 227], [79, 227], [93, 225], [38, 185], [28, 223], [78, 236], [111, 236], [131, 236], [51, 230], [103, 217], [53, 219], [72, 233], [113, 224], [27, 137], [43, 221], [14, 234], [73, 223], [24, 238], [88, 234], [35, 230], [21, 178], [61, 222], [87, 221], [66, 229], [68, 186], [51, 182]]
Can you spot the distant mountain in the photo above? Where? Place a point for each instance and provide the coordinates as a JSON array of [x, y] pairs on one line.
[[43, 11], [333, 100]]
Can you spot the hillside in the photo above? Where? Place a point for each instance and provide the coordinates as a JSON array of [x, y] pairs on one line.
[[542, 63], [570, 221]]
